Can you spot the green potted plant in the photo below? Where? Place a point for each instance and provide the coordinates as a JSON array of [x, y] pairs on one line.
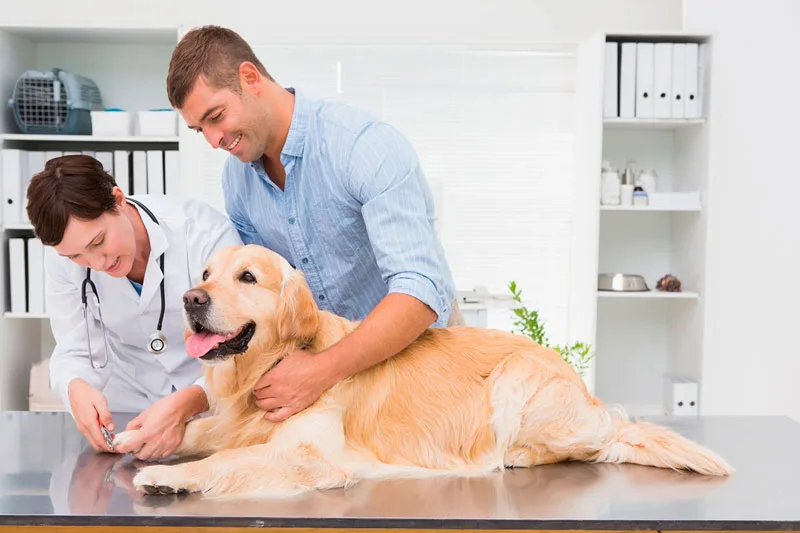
[[528, 323]]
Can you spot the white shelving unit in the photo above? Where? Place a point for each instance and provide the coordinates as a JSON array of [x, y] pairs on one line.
[[640, 336], [129, 65]]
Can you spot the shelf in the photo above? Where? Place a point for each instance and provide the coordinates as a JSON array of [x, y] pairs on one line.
[[9, 314], [86, 138], [26, 227], [652, 123], [649, 208], [152, 35], [650, 295]]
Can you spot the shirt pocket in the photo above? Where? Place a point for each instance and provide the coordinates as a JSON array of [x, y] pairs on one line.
[[340, 228]]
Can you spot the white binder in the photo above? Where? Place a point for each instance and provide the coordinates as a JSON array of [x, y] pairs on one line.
[[35, 276], [17, 274], [14, 167], [678, 76], [692, 81], [627, 81], [611, 81], [122, 171], [645, 103], [172, 172], [107, 160], [139, 172], [155, 172], [35, 166], [662, 80]]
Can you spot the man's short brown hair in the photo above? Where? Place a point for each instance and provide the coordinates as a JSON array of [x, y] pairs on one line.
[[212, 52], [69, 186]]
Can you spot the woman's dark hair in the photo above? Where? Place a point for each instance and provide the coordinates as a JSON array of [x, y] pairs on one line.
[[69, 186]]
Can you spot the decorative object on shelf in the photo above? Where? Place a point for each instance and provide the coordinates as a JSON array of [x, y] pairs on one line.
[[609, 185], [620, 282], [669, 283], [528, 323], [639, 197], [54, 102]]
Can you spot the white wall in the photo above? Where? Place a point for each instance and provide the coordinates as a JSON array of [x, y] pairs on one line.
[[360, 21], [751, 358]]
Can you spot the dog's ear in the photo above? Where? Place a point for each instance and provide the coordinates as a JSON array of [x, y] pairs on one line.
[[298, 315]]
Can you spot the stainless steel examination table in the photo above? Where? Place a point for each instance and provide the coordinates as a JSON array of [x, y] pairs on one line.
[[52, 481]]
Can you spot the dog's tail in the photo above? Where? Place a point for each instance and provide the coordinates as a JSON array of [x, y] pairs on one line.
[[649, 444]]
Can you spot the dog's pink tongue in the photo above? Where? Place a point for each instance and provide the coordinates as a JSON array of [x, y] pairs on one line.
[[199, 344]]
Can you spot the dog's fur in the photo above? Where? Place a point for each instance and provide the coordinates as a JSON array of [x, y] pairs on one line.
[[458, 401]]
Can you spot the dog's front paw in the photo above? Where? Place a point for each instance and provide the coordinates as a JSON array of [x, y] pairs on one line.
[[122, 438], [165, 479]]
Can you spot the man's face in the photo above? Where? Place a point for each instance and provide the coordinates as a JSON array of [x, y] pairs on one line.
[[236, 123]]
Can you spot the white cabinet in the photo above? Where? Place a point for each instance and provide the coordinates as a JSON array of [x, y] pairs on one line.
[[641, 336]]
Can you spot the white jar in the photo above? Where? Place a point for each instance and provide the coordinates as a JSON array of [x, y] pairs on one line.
[[609, 185], [647, 180]]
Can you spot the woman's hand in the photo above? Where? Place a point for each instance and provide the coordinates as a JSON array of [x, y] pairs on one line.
[[161, 426], [90, 409]]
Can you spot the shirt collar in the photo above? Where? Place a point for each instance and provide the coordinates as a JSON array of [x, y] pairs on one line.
[[296, 139]]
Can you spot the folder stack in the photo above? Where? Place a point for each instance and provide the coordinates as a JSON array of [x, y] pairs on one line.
[[653, 80]]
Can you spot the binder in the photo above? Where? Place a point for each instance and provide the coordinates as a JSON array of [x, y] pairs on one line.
[[627, 81], [172, 172], [139, 172], [662, 80], [122, 170], [35, 166], [107, 160], [155, 172], [17, 275], [14, 167], [35, 275], [645, 71], [678, 76], [611, 81], [692, 81]]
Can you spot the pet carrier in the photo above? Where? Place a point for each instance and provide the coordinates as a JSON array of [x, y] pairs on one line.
[[56, 102]]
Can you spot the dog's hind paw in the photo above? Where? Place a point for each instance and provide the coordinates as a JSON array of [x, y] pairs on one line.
[[165, 479]]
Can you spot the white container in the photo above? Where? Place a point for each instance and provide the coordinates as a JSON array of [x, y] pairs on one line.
[[609, 185], [158, 123], [112, 124], [626, 194]]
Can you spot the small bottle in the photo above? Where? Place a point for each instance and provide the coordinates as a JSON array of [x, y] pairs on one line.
[[639, 196], [609, 185]]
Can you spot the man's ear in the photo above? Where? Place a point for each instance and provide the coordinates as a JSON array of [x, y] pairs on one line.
[[298, 315]]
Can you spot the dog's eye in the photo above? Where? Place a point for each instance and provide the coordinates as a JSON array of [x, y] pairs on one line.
[[247, 277], [205, 274]]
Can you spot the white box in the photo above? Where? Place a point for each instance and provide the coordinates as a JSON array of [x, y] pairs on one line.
[[158, 123], [680, 396], [112, 124]]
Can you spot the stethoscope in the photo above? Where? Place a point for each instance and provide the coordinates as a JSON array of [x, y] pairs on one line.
[[157, 342]]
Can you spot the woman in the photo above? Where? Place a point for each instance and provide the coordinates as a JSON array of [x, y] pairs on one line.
[[119, 359]]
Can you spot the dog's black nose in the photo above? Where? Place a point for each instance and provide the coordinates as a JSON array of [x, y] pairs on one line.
[[195, 299]]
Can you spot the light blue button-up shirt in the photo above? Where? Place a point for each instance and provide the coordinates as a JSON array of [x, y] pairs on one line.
[[356, 213]]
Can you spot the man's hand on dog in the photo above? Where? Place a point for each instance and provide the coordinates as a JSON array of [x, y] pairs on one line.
[[161, 427], [293, 384]]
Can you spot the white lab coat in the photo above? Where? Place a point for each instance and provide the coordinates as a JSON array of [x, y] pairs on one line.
[[188, 232]]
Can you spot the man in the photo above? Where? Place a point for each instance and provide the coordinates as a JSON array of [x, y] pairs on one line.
[[336, 192]]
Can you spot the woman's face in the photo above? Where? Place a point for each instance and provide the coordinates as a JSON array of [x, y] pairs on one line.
[[105, 244]]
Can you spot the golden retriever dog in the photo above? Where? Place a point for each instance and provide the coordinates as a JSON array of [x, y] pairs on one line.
[[458, 401]]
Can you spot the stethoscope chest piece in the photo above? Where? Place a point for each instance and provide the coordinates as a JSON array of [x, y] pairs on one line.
[[157, 343]]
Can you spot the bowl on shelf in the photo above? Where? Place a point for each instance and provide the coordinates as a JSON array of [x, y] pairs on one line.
[[620, 282]]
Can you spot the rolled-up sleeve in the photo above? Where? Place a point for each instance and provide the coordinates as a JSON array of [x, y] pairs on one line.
[[70, 357], [397, 206]]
